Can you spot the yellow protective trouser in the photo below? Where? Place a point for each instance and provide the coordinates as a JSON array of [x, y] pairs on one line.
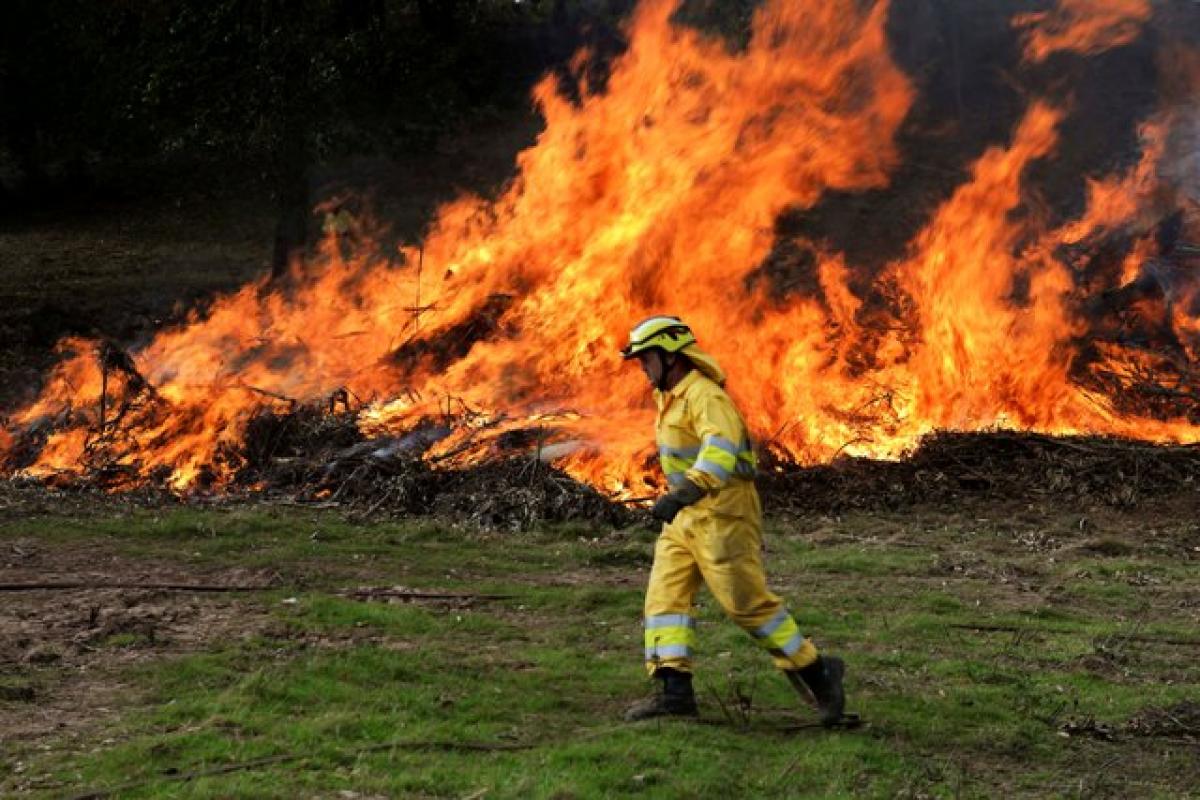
[[717, 541]]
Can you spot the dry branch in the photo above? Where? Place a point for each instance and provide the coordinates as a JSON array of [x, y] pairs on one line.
[[170, 587]]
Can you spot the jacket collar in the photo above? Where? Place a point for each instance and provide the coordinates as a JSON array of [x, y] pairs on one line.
[[685, 383], [679, 389]]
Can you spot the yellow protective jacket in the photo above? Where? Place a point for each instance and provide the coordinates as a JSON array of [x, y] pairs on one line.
[[716, 541], [701, 436]]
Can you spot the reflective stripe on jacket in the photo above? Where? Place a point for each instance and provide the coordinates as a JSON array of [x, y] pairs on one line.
[[701, 436]]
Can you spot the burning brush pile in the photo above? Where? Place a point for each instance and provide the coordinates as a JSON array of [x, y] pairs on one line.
[[1022, 288], [317, 453]]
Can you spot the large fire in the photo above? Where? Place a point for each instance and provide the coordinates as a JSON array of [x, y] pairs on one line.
[[660, 193]]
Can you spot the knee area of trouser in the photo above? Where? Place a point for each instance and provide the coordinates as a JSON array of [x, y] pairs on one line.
[[748, 605]]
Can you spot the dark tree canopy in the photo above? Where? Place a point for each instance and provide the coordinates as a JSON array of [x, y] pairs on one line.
[[89, 88]]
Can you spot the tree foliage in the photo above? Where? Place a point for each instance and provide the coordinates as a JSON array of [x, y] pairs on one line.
[[86, 86]]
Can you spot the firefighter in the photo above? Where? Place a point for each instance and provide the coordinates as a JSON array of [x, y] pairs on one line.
[[712, 530]]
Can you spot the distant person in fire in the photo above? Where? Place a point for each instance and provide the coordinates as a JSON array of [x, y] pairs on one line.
[[712, 531]]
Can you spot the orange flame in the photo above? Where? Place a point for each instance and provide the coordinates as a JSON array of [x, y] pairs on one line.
[[660, 194], [1082, 26]]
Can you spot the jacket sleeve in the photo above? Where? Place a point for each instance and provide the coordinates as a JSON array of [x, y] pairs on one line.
[[721, 433]]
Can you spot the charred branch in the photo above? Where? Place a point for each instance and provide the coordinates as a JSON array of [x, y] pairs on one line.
[[435, 354]]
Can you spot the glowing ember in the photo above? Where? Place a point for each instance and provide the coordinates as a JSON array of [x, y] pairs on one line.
[[660, 194]]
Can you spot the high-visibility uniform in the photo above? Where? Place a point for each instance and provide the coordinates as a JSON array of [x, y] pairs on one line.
[[718, 540]]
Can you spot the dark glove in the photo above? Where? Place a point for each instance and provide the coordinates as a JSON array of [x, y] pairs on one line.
[[670, 504]]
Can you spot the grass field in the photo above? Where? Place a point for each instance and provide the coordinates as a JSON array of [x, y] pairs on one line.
[[993, 651]]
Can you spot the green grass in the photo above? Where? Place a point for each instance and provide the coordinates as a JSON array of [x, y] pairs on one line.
[[387, 698]]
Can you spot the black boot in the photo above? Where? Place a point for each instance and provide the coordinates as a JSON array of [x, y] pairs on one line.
[[675, 697], [823, 680]]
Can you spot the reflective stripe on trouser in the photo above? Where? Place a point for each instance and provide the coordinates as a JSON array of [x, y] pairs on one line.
[[669, 636], [724, 551]]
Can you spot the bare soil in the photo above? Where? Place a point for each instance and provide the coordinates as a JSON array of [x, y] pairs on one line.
[[60, 649]]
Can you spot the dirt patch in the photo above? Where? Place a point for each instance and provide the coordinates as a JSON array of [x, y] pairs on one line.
[[60, 648]]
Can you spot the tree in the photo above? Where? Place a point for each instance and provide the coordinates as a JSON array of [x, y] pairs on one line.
[[270, 86]]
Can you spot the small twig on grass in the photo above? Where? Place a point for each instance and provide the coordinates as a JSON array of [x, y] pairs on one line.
[[1116, 642], [721, 702], [740, 719], [778, 784]]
